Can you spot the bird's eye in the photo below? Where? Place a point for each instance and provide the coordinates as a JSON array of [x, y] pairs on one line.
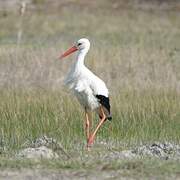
[[79, 44]]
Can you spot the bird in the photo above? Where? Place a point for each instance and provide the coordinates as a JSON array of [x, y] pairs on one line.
[[89, 89]]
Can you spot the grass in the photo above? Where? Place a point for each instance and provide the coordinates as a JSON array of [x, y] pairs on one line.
[[137, 117], [139, 168], [136, 54]]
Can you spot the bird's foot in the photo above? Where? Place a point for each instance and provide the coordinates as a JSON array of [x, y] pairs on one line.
[[90, 141]]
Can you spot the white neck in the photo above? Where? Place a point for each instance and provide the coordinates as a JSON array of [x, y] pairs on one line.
[[80, 57], [79, 61]]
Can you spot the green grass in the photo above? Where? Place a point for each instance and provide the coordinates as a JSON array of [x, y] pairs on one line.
[[137, 117], [136, 168]]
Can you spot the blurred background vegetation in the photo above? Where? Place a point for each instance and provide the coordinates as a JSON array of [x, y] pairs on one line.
[[135, 49]]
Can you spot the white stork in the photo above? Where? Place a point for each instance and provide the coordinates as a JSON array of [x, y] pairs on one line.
[[90, 90]]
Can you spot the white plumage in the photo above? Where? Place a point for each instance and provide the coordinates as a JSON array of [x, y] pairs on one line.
[[90, 90], [84, 84]]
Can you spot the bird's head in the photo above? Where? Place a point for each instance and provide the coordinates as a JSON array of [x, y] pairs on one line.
[[81, 45]]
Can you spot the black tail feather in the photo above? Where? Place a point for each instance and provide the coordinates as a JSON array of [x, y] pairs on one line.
[[104, 101]]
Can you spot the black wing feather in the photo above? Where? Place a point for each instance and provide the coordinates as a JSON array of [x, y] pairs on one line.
[[104, 101]]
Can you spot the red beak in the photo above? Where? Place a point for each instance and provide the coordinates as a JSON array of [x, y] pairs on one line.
[[69, 51]]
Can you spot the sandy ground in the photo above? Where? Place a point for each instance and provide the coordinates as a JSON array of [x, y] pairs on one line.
[[104, 169]]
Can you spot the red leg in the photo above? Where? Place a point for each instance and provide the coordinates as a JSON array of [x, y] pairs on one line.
[[92, 136], [87, 124]]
